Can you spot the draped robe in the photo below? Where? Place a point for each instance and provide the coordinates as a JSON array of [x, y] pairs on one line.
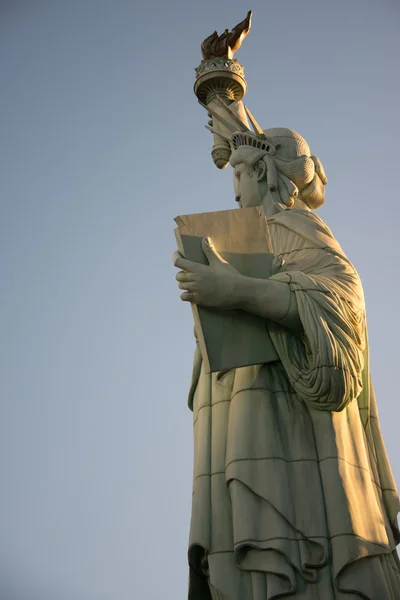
[[293, 495]]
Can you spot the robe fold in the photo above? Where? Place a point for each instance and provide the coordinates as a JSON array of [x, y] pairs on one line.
[[293, 495]]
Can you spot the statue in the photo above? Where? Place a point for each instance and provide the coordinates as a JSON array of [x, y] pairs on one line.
[[293, 494]]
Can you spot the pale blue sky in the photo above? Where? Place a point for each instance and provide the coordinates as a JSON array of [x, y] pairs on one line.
[[102, 144]]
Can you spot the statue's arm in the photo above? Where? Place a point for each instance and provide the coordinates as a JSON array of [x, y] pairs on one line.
[[220, 285], [270, 299]]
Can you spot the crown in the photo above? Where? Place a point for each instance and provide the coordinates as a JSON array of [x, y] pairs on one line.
[[241, 135]]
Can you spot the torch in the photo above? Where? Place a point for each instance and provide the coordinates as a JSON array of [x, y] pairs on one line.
[[220, 77]]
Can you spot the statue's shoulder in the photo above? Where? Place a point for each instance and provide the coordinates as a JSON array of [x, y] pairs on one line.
[[309, 226], [295, 217]]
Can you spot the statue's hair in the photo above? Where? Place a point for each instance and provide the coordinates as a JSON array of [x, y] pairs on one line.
[[292, 171]]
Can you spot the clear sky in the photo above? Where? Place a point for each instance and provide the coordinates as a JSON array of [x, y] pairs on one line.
[[102, 144]]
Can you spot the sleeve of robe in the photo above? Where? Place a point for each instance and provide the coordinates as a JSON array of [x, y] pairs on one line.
[[324, 364], [327, 366]]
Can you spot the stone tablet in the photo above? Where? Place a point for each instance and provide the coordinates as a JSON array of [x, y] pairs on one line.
[[233, 338]]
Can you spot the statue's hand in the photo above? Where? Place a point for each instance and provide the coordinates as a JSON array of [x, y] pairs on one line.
[[215, 285]]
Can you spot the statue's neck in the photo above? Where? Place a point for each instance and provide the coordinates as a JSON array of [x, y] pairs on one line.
[[272, 206]]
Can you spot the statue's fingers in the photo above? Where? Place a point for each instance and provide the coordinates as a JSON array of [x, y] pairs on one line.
[[186, 285], [210, 251], [184, 276], [183, 263], [188, 297]]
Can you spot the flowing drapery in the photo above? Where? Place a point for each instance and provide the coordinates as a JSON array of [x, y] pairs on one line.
[[292, 491]]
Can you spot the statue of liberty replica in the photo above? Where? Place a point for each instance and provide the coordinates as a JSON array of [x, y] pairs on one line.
[[293, 495]]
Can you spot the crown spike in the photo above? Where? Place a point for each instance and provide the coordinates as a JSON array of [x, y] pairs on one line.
[[223, 135], [254, 124], [235, 117]]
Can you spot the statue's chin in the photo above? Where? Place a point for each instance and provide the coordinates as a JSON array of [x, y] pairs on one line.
[[250, 203]]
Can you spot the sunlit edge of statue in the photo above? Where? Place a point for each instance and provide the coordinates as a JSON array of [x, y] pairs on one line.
[[293, 494]]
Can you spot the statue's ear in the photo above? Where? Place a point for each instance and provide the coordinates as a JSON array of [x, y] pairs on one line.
[[261, 170]]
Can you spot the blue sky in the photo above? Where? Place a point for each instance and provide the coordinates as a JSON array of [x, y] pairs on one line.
[[103, 143]]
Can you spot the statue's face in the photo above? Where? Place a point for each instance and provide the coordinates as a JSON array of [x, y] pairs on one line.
[[247, 186]]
